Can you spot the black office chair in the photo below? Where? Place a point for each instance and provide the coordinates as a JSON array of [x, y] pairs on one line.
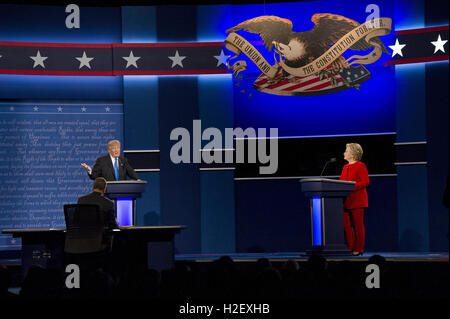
[[85, 228], [86, 246]]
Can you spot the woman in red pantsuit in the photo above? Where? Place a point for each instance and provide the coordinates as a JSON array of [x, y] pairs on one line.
[[356, 202]]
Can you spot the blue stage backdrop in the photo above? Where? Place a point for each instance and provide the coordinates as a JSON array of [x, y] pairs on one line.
[[41, 148], [161, 103]]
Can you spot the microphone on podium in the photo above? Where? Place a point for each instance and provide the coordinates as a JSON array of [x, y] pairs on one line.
[[331, 160]]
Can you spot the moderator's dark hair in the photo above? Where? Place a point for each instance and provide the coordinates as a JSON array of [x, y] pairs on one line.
[[99, 183]]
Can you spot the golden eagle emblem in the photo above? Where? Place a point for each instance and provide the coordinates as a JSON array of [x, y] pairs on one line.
[[317, 52]]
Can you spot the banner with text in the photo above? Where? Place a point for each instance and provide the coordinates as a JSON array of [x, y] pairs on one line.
[[41, 148]]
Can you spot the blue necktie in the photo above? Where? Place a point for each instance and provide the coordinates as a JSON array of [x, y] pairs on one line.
[[116, 170]]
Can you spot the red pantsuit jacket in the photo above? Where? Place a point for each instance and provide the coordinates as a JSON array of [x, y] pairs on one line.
[[356, 172]]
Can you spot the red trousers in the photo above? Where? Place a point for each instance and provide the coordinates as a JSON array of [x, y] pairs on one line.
[[354, 229]]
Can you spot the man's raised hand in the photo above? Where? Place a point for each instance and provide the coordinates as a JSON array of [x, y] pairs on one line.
[[87, 167]]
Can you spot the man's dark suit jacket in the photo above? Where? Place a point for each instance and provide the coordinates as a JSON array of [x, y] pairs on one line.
[[104, 168], [106, 207]]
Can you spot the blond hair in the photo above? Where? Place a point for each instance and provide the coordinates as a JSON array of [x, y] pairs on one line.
[[356, 150], [113, 142]]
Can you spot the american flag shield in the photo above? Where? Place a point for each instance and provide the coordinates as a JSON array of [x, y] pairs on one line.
[[312, 84]]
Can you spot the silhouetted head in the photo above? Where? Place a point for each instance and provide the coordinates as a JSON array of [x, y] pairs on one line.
[[99, 185], [377, 260], [263, 263], [316, 262]]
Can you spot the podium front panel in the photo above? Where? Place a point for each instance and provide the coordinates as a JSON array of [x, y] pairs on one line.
[[125, 211], [317, 221]]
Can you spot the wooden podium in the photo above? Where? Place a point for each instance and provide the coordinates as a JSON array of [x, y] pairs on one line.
[[327, 203], [124, 194]]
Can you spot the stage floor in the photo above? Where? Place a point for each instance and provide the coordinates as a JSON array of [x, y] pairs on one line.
[[301, 256], [298, 256]]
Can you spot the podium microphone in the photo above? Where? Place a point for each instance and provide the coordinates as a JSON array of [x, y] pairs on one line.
[[331, 160]]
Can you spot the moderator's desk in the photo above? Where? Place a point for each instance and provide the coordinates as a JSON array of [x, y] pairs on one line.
[[146, 245]]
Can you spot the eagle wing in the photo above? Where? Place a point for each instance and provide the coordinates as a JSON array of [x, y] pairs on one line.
[[329, 28], [270, 28]]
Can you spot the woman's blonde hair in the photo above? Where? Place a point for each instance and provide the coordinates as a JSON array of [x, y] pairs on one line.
[[356, 150]]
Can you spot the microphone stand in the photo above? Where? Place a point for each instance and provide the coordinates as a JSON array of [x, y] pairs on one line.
[[331, 160]]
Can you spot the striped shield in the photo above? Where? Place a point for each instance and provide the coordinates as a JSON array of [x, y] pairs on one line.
[[313, 84]]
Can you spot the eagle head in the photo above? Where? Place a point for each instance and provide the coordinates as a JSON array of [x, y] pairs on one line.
[[293, 50]]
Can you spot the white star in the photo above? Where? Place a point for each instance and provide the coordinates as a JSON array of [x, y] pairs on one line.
[[84, 60], [222, 58], [131, 60], [176, 60], [11, 108], [83, 109], [59, 108], [107, 109], [397, 48], [439, 44], [38, 60], [35, 108]]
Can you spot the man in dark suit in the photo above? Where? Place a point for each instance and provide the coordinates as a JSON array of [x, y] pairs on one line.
[[106, 208], [106, 205], [112, 167]]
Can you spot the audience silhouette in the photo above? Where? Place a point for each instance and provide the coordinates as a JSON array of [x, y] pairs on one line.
[[227, 279]]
